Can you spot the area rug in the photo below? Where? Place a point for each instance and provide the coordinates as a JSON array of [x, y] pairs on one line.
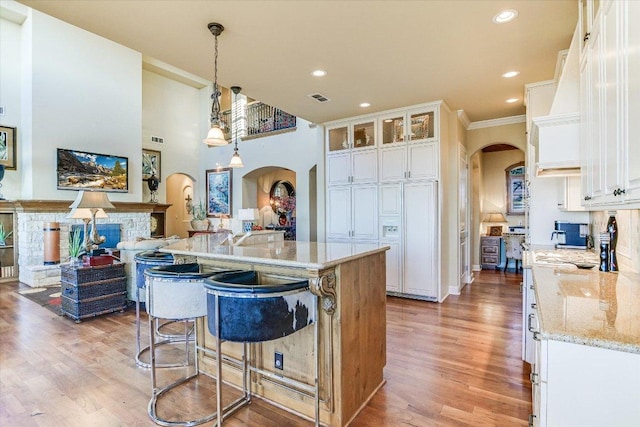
[[46, 296]]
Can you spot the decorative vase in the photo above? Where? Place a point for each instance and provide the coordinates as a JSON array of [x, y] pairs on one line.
[[200, 224]]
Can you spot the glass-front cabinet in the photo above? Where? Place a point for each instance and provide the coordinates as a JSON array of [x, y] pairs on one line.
[[413, 126], [356, 135]]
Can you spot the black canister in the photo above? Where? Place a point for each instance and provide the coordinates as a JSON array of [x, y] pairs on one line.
[[604, 252], [612, 229]]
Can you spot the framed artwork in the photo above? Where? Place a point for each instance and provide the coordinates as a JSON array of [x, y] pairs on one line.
[[82, 170], [151, 164], [218, 182], [8, 147], [516, 189]]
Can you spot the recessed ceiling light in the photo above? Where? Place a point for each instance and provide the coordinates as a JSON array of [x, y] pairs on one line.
[[510, 74], [505, 16], [319, 73], [512, 100], [365, 104]]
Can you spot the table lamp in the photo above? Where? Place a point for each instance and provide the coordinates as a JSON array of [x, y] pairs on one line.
[[93, 202], [494, 218], [248, 216]]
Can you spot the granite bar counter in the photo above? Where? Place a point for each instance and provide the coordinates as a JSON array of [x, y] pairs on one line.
[[350, 282]]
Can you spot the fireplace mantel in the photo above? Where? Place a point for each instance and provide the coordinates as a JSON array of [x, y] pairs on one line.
[[46, 206]]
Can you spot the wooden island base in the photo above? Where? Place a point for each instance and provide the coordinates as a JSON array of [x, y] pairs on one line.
[[352, 329]]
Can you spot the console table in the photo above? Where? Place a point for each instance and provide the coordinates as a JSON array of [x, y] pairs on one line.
[[92, 291]]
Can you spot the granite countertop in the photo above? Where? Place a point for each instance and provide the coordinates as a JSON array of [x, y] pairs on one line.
[[588, 306], [296, 254]]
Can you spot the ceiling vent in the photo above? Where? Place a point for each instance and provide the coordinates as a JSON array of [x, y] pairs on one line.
[[319, 97], [157, 139]]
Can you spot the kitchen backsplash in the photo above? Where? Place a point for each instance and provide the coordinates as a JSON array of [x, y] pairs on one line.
[[628, 247]]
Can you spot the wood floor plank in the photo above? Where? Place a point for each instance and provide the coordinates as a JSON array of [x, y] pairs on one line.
[[450, 364]]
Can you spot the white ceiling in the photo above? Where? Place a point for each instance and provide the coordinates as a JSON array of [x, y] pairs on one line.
[[388, 53]]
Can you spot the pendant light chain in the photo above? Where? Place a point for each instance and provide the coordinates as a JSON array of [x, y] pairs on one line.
[[215, 107]]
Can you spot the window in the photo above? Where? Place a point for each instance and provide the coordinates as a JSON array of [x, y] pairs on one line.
[[516, 189]]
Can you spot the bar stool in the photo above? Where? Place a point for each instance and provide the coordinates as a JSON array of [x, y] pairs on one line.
[[145, 260], [242, 309], [174, 292]]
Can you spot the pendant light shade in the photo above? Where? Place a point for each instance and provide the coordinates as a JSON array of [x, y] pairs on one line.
[[236, 161], [215, 137]]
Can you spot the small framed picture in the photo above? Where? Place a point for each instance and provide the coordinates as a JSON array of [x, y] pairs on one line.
[[8, 147], [150, 164], [495, 230]]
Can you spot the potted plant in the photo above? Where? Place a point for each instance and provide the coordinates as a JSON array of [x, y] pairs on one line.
[[76, 248], [199, 221], [4, 235]]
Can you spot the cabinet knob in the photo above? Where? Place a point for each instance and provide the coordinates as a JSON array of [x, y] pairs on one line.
[[586, 37]]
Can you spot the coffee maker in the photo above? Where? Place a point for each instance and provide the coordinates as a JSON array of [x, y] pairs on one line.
[[571, 235]]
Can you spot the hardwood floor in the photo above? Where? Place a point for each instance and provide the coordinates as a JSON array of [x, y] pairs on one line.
[[451, 364]]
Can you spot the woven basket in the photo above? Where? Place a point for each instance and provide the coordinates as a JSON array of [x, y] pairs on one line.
[[97, 273], [93, 306], [93, 289]]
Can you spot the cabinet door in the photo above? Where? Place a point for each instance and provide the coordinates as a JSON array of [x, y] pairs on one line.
[[391, 129], [611, 125], [365, 212], [422, 126], [631, 155], [339, 169], [421, 270], [339, 212], [393, 164], [423, 161], [393, 259], [391, 199], [596, 117], [338, 138], [363, 134], [364, 166], [587, 137]]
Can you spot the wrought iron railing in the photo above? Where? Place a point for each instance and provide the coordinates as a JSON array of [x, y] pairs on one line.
[[260, 120]]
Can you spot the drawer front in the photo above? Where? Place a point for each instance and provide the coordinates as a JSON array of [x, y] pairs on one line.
[[495, 241], [490, 250], [490, 260]]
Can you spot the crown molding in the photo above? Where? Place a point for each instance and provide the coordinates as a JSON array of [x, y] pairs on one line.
[[497, 122]]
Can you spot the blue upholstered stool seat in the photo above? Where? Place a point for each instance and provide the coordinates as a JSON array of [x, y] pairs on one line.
[[253, 307], [254, 312]]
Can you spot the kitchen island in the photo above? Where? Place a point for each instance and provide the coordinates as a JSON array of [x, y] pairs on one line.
[[585, 326], [350, 282]]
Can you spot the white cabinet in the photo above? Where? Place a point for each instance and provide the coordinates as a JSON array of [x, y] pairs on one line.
[[352, 157], [580, 385], [610, 104], [529, 316], [409, 152], [421, 238], [352, 212], [570, 194]]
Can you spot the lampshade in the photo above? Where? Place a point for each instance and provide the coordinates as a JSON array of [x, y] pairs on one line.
[[248, 214], [84, 213], [496, 217], [215, 137], [236, 160], [92, 199]]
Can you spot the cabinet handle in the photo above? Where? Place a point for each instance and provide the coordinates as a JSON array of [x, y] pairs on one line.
[[534, 306], [529, 322], [586, 37], [531, 287], [533, 377], [532, 420], [587, 198], [619, 191]]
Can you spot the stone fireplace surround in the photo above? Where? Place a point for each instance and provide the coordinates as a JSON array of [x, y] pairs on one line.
[[134, 220]]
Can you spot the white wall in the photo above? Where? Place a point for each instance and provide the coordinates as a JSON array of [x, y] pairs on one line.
[[10, 89]]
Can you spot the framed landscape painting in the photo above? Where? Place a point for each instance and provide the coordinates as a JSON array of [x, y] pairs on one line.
[[8, 147], [218, 182], [82, 170]]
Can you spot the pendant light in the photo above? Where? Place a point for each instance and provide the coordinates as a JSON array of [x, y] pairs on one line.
[[236, 161], [215, 137]]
